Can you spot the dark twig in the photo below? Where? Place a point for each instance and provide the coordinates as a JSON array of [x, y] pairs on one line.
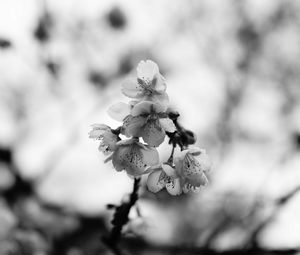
[[181, 136], [170, 160], [286, 198], [120, 219]]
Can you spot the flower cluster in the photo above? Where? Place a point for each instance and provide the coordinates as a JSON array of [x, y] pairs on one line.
[[146, 121]]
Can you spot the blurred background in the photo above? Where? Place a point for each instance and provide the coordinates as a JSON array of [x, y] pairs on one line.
[[233, 73]]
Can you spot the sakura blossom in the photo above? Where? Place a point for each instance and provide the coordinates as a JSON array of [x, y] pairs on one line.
[[192, 165], [149, 84], [147, 120], [107, 138], [133, 157], [164, 176]]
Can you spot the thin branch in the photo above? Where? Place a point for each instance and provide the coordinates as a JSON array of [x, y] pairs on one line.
[[121, 218], [170, 160]]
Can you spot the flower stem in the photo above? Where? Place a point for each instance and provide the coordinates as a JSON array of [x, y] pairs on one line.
[[170, 160], [120, 218]]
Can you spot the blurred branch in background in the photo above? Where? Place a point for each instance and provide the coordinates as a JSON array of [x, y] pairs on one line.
[[140, 247], [253, 240]]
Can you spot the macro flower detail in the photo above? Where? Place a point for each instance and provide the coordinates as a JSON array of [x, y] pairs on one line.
[[133, 157], [149, 84], [108, 139], [164, 176], [191, 165], [148, 120]]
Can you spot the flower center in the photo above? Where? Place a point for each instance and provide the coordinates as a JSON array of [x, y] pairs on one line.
[[147, 85], [191, 166], [164, 178]]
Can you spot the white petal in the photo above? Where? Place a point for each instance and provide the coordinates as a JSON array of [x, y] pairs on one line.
[[150, 156], [153, 168], [126, 142], [204, 161], [142, 108], [132, 89], [204, 180], [100, 127], [195, 151], [127, 158], [162, 99], [104, 148], [154, 182], [170, 171], [117, 158], [180, 155], [192, 168], [158, 107], [167, 124], [110, 140], [132, 125], [153, 134], [108, 158], [160, 85], [119, 111], [134, 158], [133, 103], [185, 188], [146, 70], [197, 180], [98, 131], [195, 189], [96, 134], [174, 187], [179, 161]]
